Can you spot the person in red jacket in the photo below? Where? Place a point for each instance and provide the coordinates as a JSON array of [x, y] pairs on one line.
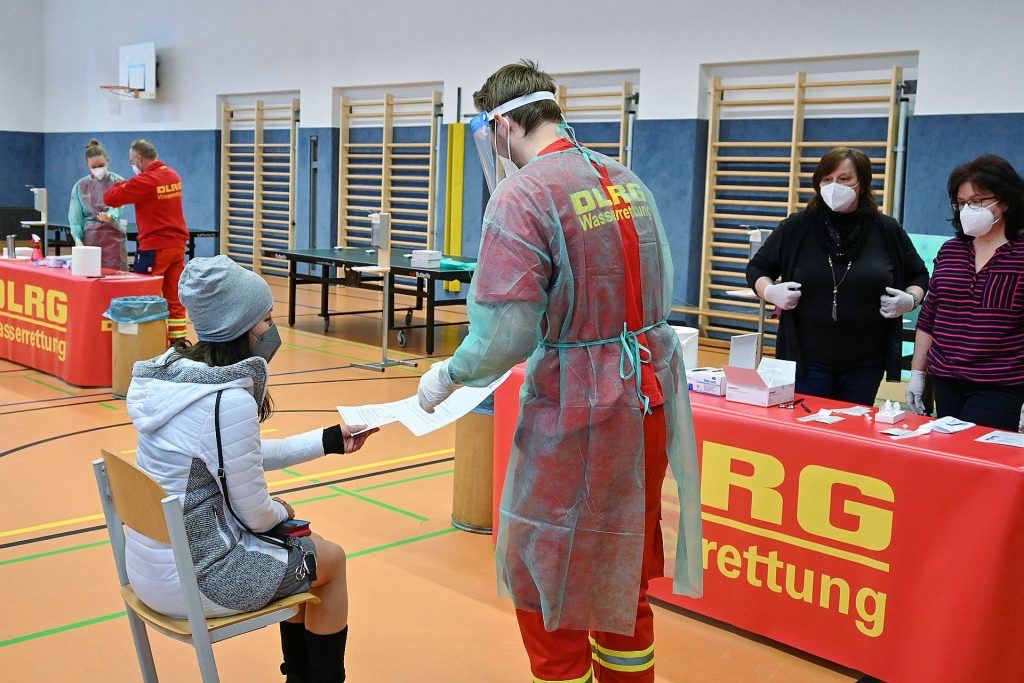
[[156, 193]]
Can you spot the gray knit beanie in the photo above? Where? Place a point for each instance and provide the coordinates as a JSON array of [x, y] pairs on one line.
[[223, 299]]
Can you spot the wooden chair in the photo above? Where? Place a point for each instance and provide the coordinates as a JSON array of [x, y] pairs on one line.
[[133, 498]]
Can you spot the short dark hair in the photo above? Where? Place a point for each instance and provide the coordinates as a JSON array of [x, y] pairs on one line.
[[515, 80], [219, 355], [145, 149], [993, 174], [93, 148], [866, 202]]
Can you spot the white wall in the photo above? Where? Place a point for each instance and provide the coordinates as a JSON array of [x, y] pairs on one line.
[[970, 59], [21, 65]]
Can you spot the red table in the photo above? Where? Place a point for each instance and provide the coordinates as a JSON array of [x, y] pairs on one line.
[[53, 321], [900, 559]]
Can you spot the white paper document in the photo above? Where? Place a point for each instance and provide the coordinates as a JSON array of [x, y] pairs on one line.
[[856, 411], [824, 416], [898, 433], [1003, 439], [415, 419], [373, 415], [950, 425]]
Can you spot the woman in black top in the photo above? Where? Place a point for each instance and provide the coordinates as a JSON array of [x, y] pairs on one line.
[[849, 273]]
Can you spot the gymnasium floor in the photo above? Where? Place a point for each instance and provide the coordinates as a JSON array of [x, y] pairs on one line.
[[423, 598]]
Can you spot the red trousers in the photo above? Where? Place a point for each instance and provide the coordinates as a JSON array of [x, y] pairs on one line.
[[572, 656], [170, 263]]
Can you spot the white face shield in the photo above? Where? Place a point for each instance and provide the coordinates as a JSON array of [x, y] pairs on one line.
[[486, 146]]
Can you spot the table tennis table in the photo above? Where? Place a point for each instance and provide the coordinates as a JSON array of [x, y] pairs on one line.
[[345, 259]]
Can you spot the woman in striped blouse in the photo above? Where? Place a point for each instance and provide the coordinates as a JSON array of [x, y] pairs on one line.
[[970, 334]]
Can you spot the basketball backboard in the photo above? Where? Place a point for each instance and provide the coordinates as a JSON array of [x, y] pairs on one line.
[[137, 68]]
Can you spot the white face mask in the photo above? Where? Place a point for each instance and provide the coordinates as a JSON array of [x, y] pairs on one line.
[[977, 222], [840, 198], [506, 162], [99, 173]]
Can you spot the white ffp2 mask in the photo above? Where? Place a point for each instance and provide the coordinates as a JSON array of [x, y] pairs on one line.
[[99, 173], [840, 198], [977, 221]]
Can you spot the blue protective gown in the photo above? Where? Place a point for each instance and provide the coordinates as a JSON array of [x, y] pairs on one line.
[[571, 537]]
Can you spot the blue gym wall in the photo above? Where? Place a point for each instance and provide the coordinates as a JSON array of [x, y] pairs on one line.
[[21, 164], [669, 155], [194, 154], [938, 144]]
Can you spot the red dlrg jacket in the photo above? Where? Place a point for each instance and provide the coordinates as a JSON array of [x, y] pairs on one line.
[[156, 194]]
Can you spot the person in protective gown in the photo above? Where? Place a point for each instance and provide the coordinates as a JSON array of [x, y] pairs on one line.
[[575, 275], [93, 223]]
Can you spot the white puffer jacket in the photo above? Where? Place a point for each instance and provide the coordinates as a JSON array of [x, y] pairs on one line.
[[173, 410]]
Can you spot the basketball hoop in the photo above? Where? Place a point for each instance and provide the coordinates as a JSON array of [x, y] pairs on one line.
[[116, 93]]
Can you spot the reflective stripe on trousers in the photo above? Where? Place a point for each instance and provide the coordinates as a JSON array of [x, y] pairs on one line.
[[176, 328], [624, 661]]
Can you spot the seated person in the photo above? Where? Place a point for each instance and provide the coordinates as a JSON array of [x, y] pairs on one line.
[[198, 410]]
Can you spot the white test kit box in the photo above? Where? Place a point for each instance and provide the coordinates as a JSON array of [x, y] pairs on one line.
[[706, 381], [772, 383]]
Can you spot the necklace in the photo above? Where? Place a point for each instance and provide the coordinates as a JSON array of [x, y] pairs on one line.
[[835, 285]]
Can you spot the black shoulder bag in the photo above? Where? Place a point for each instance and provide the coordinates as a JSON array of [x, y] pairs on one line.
[[308, 558]]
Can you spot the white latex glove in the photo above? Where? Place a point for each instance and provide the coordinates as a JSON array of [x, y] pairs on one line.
[[785, 295], [895, 303], [435, 386], [915, 392]]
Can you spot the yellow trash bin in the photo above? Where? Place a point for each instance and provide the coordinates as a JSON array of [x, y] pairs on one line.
[[139, 333], [474, 465], [134, 342]]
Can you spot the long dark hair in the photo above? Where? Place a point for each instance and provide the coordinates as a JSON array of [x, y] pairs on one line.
[[219, 355], [867, 205], [993, 174]]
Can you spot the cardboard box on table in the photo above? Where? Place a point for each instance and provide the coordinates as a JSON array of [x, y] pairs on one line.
[[772, 383]]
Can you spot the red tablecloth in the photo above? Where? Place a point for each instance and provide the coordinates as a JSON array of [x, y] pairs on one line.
[[53, 321], [901, 559]]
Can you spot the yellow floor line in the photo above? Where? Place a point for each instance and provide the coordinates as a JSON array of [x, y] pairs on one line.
[[50, 525], [274, 484], [356, 468]]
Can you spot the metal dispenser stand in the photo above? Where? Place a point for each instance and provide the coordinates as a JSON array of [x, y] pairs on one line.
[[380, 239], [40, 205], [757, 238]]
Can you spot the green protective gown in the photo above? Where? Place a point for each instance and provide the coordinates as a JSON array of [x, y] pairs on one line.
[[571, 537], [83, 217]]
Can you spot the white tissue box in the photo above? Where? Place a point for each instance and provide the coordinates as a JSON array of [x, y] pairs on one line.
[[706, 381], [890, 418]]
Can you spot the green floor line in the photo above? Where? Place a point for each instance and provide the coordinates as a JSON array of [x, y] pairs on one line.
[[403, 481], [313, 500], [61, 629], [118, 615], [15, 560], [388, 546], [345, 492], [107, 405], [338, 494], [50, 386], [419, 518]]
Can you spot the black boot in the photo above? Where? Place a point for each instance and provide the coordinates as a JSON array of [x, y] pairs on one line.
[[326, 657], [293, 647]]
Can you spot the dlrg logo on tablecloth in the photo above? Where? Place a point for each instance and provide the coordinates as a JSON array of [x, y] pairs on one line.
[[39, 308], [869, 520]]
